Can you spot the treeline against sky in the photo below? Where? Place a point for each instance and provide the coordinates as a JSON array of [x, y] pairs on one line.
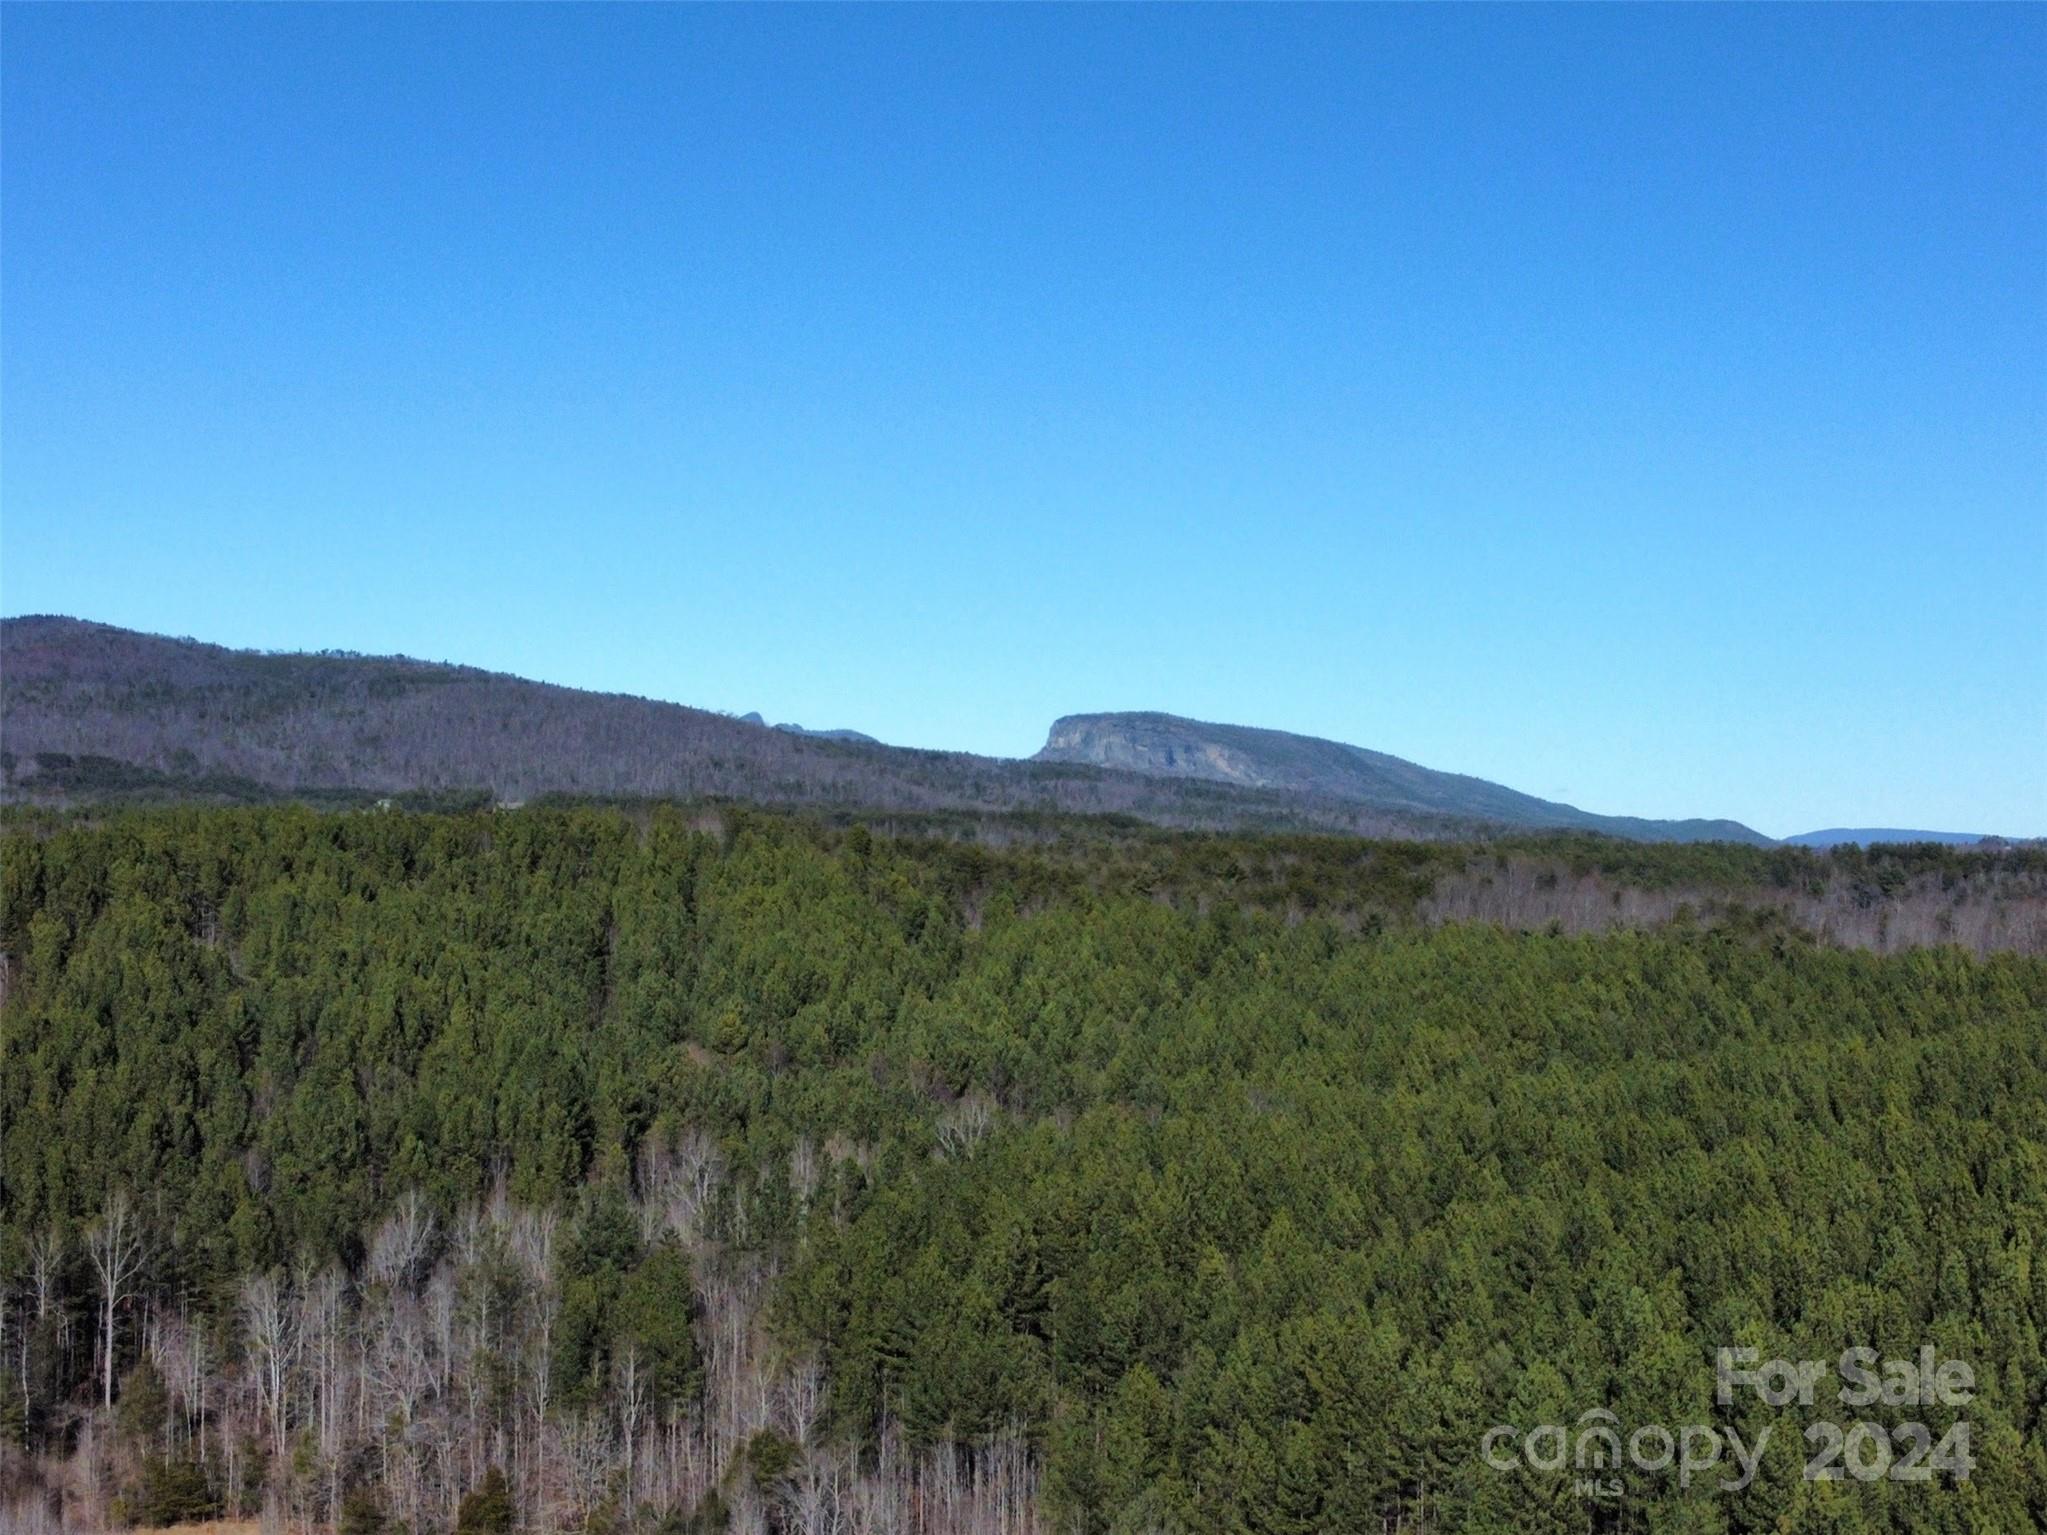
[[591, 1170], [99, 715]]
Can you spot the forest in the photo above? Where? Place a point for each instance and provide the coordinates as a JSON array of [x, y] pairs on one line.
[[635, 1169], [99, 715]]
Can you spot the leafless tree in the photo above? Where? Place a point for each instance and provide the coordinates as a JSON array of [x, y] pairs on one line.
[[585, 1454], [321, 1332], [115, 1248], [398, 1249], [747, 1514], [184, 1359], [269, 1326], [440, 1316], [45, 1267], [805, 1171], [397, 1366], [632, 1404], [678, 1181], [964, 1125], [405, 1369], [803, 1398], [816, 1493]]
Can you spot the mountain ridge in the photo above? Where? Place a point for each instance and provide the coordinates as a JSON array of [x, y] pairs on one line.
[[93, 711], [1169, 745]]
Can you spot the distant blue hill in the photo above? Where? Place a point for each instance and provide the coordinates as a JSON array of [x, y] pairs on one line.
[[1865, 835]]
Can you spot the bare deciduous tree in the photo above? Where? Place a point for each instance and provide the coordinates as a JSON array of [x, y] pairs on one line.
[[45, 1266], [269, 1326], [963, 1125], [678, 1181], [398, 1249], [115, 1248]]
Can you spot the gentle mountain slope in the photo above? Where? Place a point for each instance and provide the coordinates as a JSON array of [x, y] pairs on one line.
[[1169, 746], [94, 713]]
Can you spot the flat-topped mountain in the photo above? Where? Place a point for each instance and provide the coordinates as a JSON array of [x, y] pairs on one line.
[[1170, 747], [91, 713]]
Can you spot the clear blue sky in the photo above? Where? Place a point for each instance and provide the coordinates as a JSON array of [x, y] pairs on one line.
[[1642, 406]]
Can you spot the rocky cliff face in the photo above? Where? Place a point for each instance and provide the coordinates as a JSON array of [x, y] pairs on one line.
[[1149, 743], [94, 714], [1167, 746]]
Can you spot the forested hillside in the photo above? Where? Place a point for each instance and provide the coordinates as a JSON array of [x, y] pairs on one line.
[[100, 715], [689, 1171], [97, 715]]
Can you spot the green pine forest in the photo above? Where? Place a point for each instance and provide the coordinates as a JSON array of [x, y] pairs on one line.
[[615, 1168]]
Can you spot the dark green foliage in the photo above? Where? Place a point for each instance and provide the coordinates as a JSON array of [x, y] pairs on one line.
[[362, 1513], [769, 1456], [144, 1405], [709, 1519], [1254, 1218], [653, 1318], [488, 1510], [173, 1492]]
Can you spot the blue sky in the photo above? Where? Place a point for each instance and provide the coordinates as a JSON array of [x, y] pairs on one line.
[[1642, 406]]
